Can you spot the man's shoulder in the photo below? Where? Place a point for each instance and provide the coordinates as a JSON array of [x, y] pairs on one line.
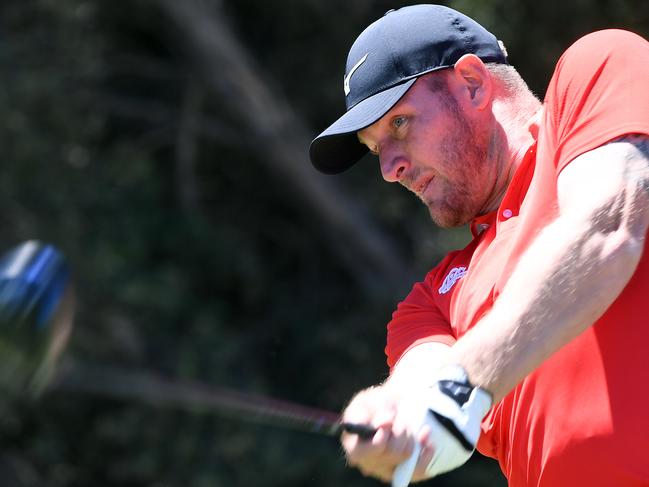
[[611, 38], [598, 92], [605, 46]]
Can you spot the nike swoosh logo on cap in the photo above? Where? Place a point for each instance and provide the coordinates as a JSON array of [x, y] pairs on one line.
[[351, 72]]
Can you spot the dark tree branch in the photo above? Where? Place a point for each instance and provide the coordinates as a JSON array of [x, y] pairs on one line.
[[281, 140], [157, 112], [186, 147]]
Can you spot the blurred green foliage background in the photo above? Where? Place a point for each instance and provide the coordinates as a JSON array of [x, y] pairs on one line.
[[163, 146]]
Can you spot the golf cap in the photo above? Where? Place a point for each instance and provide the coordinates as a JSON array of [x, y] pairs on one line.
[[386, 60]]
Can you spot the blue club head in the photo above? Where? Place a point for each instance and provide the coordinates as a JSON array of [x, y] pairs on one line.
[[36, 309]]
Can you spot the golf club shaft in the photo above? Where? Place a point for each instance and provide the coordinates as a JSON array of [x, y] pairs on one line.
[[172, 393], [37, 307]]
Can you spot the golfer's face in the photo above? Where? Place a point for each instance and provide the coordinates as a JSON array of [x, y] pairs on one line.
[[427, 144]]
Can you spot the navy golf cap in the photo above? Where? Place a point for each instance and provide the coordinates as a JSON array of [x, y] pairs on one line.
[[386, 60]]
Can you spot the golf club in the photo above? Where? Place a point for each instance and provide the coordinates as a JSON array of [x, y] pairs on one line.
[[162, 392], [36, 315]]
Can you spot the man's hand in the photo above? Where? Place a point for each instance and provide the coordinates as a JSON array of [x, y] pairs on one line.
[[420, 434], [394, 441]]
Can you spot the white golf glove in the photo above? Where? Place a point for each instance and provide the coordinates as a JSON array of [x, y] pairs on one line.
[[453, 410]]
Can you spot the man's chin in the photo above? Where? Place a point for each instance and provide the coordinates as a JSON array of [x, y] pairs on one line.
[[449, 218]]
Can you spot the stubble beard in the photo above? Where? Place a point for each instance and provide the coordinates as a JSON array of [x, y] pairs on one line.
[[464, 150]]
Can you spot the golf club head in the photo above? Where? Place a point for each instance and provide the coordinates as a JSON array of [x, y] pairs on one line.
[[36, 314]]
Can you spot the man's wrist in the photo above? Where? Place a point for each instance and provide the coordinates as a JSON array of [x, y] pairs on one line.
[[453, 380], [454, 412]]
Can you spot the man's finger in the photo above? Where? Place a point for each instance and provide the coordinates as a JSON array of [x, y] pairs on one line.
[[425, 455], [402, 442], [360, 451]]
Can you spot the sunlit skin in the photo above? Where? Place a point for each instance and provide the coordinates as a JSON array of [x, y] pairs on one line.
[[445, 147]]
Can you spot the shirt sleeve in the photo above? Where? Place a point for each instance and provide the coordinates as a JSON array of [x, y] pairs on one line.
[[417, 320], [598, 92]]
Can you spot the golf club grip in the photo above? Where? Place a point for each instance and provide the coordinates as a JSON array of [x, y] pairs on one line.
[[363, 431]]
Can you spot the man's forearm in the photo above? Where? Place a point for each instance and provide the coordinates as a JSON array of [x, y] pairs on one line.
[[543, 306], [414, 369], [577, 266]]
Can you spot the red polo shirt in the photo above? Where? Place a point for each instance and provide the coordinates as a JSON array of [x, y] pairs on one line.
[[582, 418]]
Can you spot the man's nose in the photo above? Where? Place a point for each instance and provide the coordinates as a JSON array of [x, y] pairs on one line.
[[393, 167]]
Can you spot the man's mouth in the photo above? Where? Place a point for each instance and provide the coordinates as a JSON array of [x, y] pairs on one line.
[[420, 187]]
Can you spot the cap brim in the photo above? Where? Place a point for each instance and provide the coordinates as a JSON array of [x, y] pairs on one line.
[[338, 148]]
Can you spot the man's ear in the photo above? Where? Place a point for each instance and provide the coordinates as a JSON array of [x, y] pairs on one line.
[[473, 80]]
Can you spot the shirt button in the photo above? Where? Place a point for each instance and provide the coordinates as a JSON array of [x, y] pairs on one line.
[[507, 213]]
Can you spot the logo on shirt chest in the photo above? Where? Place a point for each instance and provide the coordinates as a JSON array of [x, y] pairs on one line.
[[452, 277]]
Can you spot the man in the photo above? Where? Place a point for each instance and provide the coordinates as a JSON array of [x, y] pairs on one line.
[[529, 342]]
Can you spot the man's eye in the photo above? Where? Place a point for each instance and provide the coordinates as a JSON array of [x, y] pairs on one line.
[[398, 122]]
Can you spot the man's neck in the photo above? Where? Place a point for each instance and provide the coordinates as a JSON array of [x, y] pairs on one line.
[[510, 147]]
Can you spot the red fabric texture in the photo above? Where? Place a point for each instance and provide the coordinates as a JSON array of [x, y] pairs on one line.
[[582, 417]]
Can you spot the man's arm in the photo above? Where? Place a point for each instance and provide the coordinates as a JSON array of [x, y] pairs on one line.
[[572, 272]]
